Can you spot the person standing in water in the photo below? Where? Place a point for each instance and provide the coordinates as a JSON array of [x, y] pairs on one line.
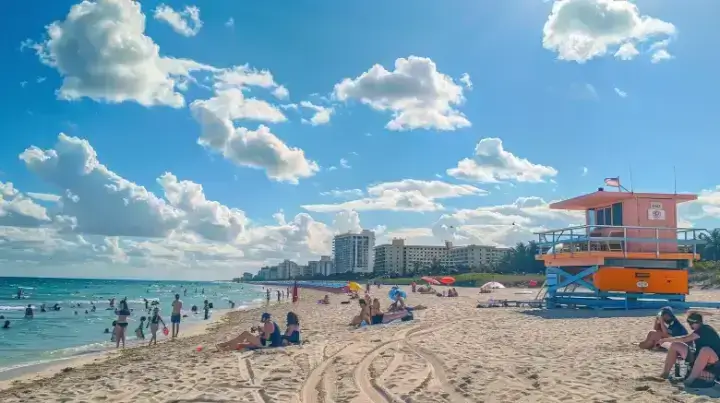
[[206, 308], [29, 312], [154, 324], [268, 295], [121, 324], [176, 315]]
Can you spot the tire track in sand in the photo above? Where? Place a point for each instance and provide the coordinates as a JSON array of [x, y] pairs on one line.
[[370, 389], [438, 374], [313, 388]]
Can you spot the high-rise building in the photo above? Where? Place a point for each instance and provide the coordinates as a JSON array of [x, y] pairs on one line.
[[399, 258], [354, 252], [322, 267]]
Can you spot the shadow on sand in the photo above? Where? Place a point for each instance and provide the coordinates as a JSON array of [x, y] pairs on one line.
[[565, 313]]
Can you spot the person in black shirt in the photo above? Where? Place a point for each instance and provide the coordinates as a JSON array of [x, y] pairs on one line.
[[666, 325], [707, 349]]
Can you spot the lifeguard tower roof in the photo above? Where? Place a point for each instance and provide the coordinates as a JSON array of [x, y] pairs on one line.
[[603, 198]]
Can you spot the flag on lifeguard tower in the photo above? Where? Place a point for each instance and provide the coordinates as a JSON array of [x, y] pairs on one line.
[[614, 182]]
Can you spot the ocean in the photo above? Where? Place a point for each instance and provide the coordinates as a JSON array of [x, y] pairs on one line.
[[69, 332]]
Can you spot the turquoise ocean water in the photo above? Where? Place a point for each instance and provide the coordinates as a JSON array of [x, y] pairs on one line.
[[57, 335]]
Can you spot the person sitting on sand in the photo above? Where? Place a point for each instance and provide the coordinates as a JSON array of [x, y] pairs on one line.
[[376, 313], [666, 325], [398, 304], [364, 315], [292, 332], [269, 337], [325, 301], [707, 351]]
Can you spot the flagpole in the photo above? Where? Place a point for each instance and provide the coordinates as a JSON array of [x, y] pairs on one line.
[[632, 190], [674, 180]]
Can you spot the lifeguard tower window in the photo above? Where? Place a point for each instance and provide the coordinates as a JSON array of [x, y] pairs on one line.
[[611, 215]]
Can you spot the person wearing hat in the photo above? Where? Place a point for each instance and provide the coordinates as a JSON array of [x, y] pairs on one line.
[[270, 336], [666, 325], [707, 351]]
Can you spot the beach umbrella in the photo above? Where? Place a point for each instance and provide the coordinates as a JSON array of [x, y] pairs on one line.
[[430, 280], [395, 292], [353, 286], [447, 280], [492, 285], [295, 294], [532, 283]]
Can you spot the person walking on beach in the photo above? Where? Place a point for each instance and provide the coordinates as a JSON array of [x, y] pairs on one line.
[[154, 324], [176, 315], [206, 309], [121, 324], [268, 295], [278, 295]]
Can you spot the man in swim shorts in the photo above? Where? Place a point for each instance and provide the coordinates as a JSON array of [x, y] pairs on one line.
[[176, 315]]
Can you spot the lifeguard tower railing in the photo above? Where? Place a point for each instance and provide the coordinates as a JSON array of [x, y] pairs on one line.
[[615, 240]]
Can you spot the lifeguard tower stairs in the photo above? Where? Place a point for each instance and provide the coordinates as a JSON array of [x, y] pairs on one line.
[[628, 255]]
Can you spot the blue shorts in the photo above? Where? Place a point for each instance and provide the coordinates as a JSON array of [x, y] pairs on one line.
[[175, 318]]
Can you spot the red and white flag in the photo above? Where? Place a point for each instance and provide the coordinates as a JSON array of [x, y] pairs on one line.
[[614, 182]]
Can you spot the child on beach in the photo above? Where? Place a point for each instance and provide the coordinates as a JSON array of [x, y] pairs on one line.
[[112, 335], [154, 324], [139, 331]]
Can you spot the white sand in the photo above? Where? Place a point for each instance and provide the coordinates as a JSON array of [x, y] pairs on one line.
[[452, 352]]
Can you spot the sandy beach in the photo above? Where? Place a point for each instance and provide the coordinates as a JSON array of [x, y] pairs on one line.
[[451, 352]]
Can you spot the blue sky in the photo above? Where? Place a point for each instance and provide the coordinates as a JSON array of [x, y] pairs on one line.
[[557, 97]]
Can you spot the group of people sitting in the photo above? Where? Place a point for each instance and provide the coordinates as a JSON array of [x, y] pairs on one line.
[[371, 313], [700, 349], [450, 293], [267, 335]]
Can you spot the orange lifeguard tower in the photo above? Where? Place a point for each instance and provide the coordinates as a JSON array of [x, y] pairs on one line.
[[629, 254]]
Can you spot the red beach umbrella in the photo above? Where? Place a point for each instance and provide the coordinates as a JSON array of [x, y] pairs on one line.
[[296, 297], [447, 280], [430, 280]]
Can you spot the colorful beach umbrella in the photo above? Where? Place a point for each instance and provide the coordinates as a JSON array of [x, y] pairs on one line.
[[355, 287], [447, 280], [430, 280]]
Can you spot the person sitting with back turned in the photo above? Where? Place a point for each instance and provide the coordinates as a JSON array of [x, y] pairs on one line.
[[666, 325], [707, 351], [363, 317], [292, 332]]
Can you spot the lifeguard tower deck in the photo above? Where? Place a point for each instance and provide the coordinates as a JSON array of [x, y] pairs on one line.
[[628, 255]]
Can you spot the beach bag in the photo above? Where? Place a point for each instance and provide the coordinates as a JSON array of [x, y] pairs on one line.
[[165, 331]]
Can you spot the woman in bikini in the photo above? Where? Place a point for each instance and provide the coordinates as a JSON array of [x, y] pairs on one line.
[[376, 314], [364, 316], [154, 324], [292, 332], [122, 323]]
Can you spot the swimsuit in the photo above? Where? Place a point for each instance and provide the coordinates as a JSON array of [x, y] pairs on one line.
[[275, 338], [175, 318], [294, 337]]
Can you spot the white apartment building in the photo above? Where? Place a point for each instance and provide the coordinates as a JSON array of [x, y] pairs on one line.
[[325, 266], [399, 258], [354, 252]]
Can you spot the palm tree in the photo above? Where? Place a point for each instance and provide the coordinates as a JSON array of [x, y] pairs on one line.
[[711, 249]]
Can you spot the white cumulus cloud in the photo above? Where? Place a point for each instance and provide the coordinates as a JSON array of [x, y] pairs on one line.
[[186, 22], [418, 95]]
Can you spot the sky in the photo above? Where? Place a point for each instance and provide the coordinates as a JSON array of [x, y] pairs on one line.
[[201, 139]]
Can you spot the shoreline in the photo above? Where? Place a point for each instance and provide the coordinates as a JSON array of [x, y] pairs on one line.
[[28, 372]]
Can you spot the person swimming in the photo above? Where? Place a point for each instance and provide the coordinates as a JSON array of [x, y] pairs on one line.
[[6, 325], [29, 312]]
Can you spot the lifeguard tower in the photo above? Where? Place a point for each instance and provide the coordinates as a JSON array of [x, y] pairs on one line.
[[628, 255]]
